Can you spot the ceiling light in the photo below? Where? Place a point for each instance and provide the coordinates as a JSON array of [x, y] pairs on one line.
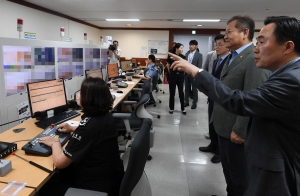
[[129, 25], [201, 20], [199, 25], [122, 19]]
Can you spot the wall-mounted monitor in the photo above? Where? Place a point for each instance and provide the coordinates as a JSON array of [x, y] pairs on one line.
[[92, 58], [70, 62], [104, 58], [22, 64]]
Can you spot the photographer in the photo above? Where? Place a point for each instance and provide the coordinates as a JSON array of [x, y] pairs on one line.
[[113, 55]]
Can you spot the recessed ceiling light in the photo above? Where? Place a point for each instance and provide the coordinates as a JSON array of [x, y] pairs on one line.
[[201, 20], [122, 19], [129, 25], [199, 25]]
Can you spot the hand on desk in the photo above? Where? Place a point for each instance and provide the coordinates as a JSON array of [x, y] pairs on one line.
[[65, 128]]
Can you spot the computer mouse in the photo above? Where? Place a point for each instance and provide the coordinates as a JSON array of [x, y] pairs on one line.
[[119, 91]]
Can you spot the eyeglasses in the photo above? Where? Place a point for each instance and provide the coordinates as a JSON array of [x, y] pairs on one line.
[[219, 45]]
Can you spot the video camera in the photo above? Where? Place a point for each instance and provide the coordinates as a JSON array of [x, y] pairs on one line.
[[112, 47]]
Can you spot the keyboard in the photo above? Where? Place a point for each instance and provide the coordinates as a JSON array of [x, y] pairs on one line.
[[57, 119], [34, 147], [122, 84], [135, 77]]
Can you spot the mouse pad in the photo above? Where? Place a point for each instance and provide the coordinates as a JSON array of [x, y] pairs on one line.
[[18, 130]]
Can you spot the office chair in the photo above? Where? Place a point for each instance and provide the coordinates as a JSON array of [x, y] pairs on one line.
[[132, 121], [135, 181], [160, 67]]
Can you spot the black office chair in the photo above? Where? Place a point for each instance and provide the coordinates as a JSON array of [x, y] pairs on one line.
[[132, 121], [146, 89], [135, 181], [160, 76]]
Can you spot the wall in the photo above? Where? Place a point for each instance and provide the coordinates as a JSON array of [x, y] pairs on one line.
[[46, 26], [132, 41]]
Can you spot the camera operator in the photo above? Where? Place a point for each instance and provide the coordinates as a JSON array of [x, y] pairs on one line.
[[113, 55]]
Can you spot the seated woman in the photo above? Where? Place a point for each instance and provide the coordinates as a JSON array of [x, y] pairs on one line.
[[91, 158]]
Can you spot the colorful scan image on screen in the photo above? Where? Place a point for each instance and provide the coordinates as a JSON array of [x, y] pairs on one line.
[[92, 58], [70, 62], [104, 58], [20, 68]]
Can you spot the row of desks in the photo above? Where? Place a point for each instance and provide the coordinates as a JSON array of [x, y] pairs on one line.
[[22, 171]]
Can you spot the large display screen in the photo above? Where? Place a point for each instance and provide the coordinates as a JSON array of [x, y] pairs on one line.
[[70, 62], [22, 65], [92, 58], [104, 58]]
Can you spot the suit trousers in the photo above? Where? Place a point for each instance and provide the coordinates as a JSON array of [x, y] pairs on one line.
[[212, 133], [176, 79], [233, 161], [188, 82]]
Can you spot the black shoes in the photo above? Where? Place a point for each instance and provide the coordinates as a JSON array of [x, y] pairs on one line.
[[207, 149], [194, 106], [186, 104], [215, 159], [171, 111], [183, 112]]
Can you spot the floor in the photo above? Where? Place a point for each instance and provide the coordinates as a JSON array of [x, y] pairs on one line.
[[177, 167]]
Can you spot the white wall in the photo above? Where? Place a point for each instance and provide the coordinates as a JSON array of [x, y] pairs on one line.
[[46, 26], [131, 41]]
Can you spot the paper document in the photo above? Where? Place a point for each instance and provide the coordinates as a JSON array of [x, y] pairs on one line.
[[73, 123], [130, 82]]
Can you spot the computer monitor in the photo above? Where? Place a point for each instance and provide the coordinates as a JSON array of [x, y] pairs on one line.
[[94, 73], [46, 95], [126, 65], [133, 62], [112, 71]]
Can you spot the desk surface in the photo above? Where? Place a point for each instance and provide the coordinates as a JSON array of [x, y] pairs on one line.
[[24, 192], [22, 171]]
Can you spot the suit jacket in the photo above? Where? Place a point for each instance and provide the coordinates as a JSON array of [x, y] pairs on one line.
[[242, 74], [197, 59], [272, 146], [216, 74], [208, 65]]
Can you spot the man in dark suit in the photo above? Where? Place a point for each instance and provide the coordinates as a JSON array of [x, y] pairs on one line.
[[218, 64], [273, 137], [195, 58]]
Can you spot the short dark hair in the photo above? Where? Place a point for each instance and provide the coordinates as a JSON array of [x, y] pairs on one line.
[[95, 97], [242, 23], [152, 58], [193, 42], [220, 36], [287, 29], [116, 41]]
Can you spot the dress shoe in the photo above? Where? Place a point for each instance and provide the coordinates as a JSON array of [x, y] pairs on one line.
[[207, 136], [171, 111], [183, 112], [186, 104], [207, 149], [194, 106], [215, 159]]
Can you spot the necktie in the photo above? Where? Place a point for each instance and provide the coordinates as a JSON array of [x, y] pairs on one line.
[[231, 57], [218, 64]]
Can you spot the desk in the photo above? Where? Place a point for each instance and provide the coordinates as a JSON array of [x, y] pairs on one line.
[[22, 171], [125, 91], [24, 192]]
